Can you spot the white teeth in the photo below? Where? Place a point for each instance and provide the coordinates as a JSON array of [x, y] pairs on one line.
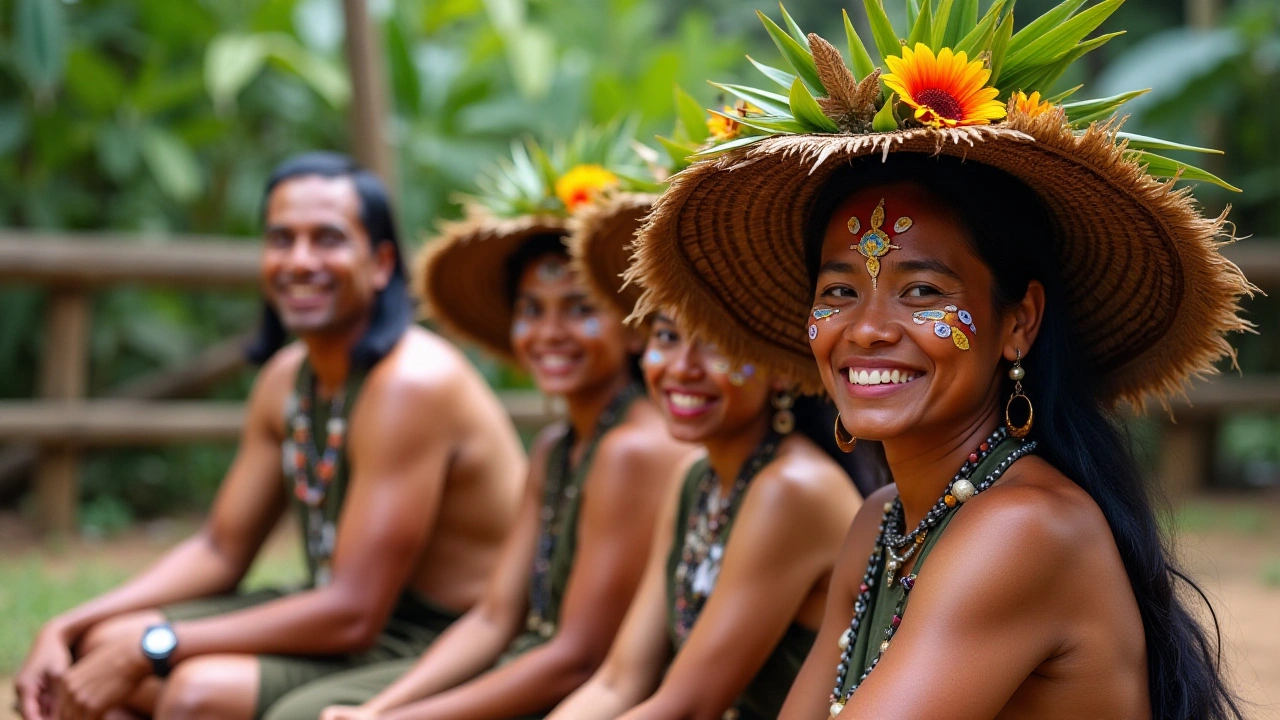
[[303, 291], [555, 362], [687, 402], [879, 377]]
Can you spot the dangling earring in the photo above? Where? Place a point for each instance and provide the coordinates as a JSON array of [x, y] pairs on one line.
[[844, 439], [784, 421], [1016, 373]]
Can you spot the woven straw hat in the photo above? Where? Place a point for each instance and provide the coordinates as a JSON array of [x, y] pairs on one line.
[[458, 275], [600, 238], [1150, 294]]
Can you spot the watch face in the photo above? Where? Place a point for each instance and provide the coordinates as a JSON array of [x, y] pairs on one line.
[[159, 641]]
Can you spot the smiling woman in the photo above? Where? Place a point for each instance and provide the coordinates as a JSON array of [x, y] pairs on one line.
[[969, 294]]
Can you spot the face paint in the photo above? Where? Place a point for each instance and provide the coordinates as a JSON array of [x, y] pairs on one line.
[[874, 243], [552, 269], [739, 378], [520, 329], [813, 332], [654, 357], [947, 322], [591, 327]]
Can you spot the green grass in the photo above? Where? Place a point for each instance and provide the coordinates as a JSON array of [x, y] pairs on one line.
[[30, 594]]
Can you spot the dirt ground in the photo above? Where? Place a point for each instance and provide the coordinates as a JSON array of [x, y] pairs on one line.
[[1230, 544]]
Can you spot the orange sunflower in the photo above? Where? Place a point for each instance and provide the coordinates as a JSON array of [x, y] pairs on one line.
[[582, 184], [1030, 106], [946, 90], [723, 128]]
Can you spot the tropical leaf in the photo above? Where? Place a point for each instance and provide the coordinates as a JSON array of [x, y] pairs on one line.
[[922, 29], [799, 58], [1143, 142], [793, 28], [979, 38], [172, 164], [999, 47], [963, 18], [781, 77], [882, 32], [884, 120], [731, 145], [767, 123], [770, 103], [678, 151], [942, 26], [1062, 96], [691, 122], [1163, 167], [1062, 38], [806, 111], [1082, 112], [39, 42], [858, 56], [1043, 24], [230, 63]]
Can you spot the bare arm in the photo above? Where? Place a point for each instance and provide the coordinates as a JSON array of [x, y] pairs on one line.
[[398, 463], [474, 642], [784, 544], [809, 698], [642, 649], [620, 505]]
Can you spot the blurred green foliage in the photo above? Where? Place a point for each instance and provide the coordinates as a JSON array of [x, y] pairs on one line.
[[161, 116]]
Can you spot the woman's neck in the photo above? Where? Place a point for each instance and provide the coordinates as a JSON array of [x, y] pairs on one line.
[[585, 407], [923, 464], [329, 354], [727, 454]]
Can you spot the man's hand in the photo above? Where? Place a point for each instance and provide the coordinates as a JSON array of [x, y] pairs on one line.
[[38, 678], [102, 680], [348, 712]]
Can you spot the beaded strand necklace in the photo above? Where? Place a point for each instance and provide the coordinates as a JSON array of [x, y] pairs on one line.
[[891, 539], [558, 496], [313, 471], [695, 576]]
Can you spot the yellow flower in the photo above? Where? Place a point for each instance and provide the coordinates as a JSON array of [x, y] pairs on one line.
[[723, 128], [582, 184], [1030, 106], [946, 90]]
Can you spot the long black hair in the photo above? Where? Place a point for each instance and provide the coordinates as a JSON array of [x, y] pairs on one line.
[[1011, 233], [392, 306]]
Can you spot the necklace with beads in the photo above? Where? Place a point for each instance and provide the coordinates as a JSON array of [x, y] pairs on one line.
[[901, 547], [703, 549], [313, 471], [557, 499]]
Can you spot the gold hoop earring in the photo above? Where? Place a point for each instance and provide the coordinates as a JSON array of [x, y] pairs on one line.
[[1016, 373], [784, 421], [844, 439]]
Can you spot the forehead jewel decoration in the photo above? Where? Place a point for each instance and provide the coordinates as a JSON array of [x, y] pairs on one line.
[[552, 269], [874, 243]]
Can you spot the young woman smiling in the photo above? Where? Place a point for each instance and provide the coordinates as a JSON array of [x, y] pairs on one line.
[[747, 540], [575, 554], [1014, 282]]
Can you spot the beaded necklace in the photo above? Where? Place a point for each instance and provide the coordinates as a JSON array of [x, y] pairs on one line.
[[557, 498], [699, 566], [891, 540], [313, 471]]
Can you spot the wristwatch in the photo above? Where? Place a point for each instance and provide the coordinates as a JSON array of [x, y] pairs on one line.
[[158, 644]]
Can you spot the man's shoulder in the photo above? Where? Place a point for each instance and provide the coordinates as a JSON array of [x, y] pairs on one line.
[[423, 366]]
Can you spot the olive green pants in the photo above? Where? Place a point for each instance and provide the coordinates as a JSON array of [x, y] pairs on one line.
[[414, 624], [359, 685]]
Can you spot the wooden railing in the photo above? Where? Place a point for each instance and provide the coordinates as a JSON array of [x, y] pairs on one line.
[[55, 428]]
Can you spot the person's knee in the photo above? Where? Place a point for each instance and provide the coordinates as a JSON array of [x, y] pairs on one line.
[[223, 687], [129, 625]]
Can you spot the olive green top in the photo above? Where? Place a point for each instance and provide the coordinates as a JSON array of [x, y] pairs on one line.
[[764, 695], [886, 595], [571, 490]]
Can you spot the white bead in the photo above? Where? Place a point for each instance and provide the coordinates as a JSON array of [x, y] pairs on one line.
[[963, 490], [836, 708], [844, 641]]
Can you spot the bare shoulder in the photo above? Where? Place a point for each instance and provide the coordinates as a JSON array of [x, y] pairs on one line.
[[801, 473], [280, 371], [640, 444], [1053, 518], [421, 366]]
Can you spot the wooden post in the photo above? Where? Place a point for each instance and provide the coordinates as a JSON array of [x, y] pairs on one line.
[[369, 112], [63, 377]]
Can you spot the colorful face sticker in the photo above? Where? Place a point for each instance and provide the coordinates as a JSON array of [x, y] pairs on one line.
[[520, 329], [813, 332], [738, 377], [591, 327], [947, 322], [824, 313], [654, 357], [874, 243], [552, 269]]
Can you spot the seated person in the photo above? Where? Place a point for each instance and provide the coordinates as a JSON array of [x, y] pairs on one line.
[[596, 486], [402, 465]]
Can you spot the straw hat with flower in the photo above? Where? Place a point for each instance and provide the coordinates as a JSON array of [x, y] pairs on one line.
[[1151, 295], [460, 275]]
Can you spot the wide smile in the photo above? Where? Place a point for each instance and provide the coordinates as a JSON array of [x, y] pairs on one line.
[[303, 295], [876, 382], [684, 404], [555, 364]]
